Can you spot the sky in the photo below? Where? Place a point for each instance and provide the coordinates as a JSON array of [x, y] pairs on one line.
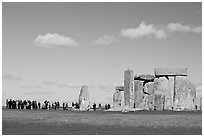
[[49, 50]]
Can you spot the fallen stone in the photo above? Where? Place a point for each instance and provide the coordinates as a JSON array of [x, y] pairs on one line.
[[170, 71], [84, 101]]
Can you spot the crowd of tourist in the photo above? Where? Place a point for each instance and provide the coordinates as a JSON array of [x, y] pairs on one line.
[[22, 104], [28, 104]]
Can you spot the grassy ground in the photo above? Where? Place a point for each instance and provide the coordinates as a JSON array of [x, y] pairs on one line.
[[32, 122]]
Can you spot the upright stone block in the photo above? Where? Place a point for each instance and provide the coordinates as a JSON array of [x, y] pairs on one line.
[[138, 98], [122, 99], [159, 100], [149, 88], [129, 88], [200, 103], [171, 88], [185, 94], [84, 101], [117, 98], [161, 84]]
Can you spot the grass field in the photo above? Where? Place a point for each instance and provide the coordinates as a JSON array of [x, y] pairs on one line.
[[40, 122]]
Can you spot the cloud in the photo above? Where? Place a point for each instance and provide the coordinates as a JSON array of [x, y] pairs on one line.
[[55, 40], [11, 77], [106, 88], [4, 94], [158, 31], [30, 87], [113, 64], [177, 27], [69, 85], [106, 40], [49, 83], [144, 30], [38, 93]]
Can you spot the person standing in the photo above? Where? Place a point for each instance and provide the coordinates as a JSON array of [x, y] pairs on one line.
[[94, 106]]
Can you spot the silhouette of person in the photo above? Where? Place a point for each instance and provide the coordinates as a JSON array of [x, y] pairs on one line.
[[94, 106]]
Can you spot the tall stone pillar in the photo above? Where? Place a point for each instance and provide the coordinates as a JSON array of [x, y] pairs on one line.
[[200, 103], [138, 92], [161, 84], [171, 88], [122, 99], [185, 94], [84, 101], [129, 88], [117, 98]]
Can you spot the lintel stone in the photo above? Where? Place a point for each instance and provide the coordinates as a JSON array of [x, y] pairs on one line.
[[170, 71], [144, 77]]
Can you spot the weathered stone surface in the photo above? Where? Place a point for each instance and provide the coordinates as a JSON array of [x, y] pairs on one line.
[[117, 98], [84, 101], [200, 104], [162, 85], [170, 71], [185, 94], [149, 99], [120, 88], [149, 88], [159, 100], [119, 104], [122, 98], [144, 77], [129, 88], [138, 98], [171, 88]]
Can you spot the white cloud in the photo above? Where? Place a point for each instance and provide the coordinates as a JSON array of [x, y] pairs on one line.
[[49, 83], [69, 85], [160, 34], [54, 40], [38, 93], [11, 77], [144, 30], [106, 40], [156, 31], [177, 27]]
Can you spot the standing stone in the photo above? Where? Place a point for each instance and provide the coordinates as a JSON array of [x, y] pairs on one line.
[[117, 98], [159, 99], [185, 94], [171, 88], [138, 98], [149, 88], [129, 88], [161, 84], [200, 103], [122, 98], [84, 101]]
